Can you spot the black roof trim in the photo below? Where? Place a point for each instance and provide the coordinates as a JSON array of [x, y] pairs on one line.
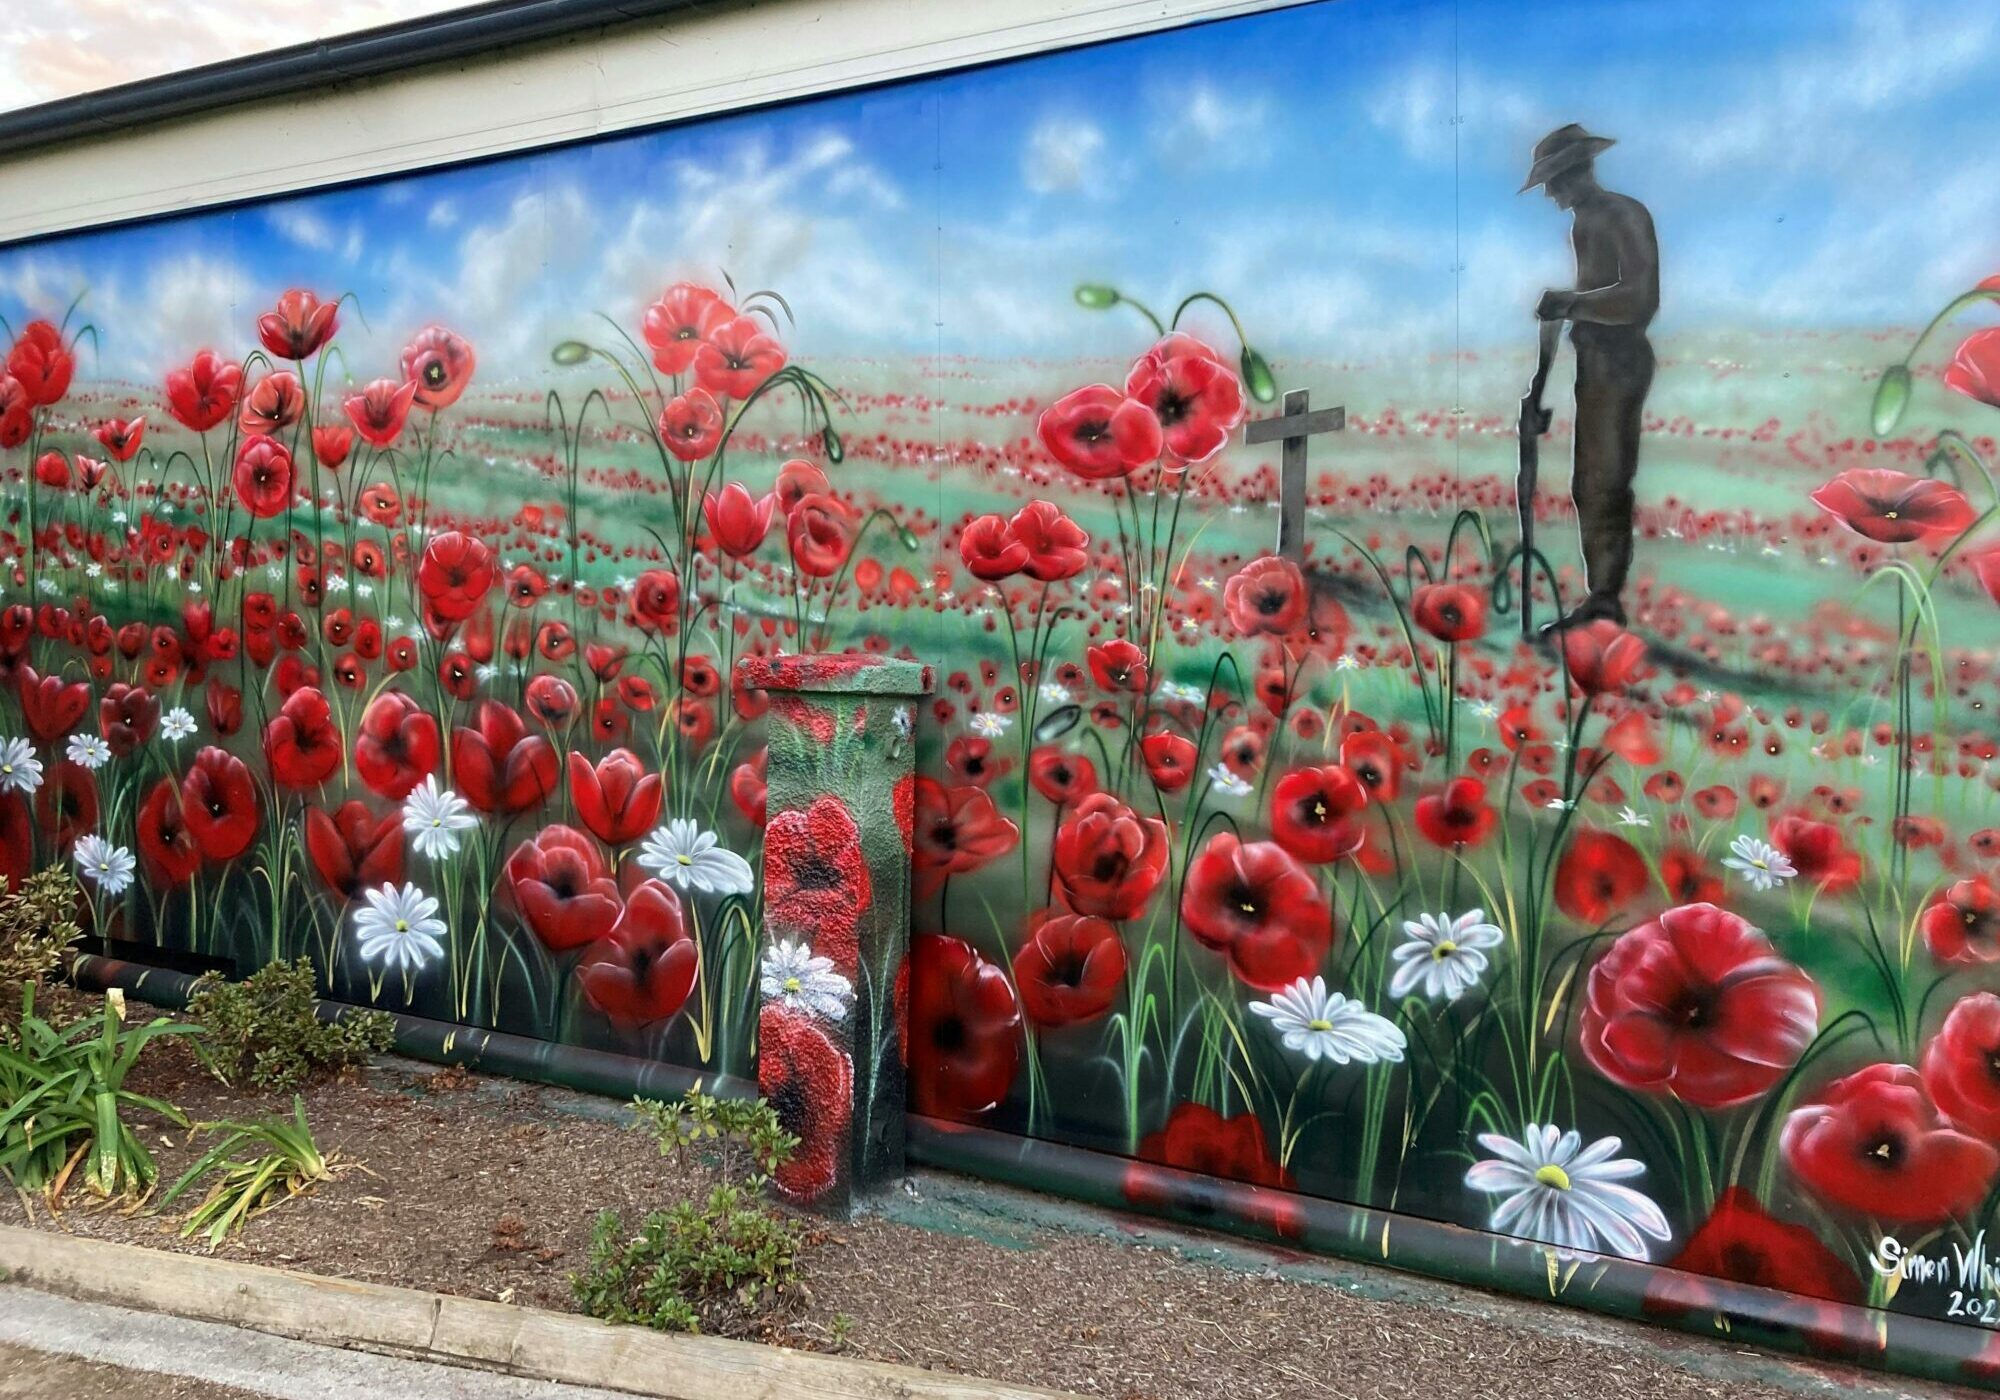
[[440, 38]]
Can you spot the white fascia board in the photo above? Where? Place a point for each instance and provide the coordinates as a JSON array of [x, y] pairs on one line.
[[709, 60]]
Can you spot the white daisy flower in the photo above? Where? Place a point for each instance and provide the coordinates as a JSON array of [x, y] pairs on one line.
[[903, 720], [87, 751], [1762, 864], [106, 866], [792, 974], [336, 583], [991, 724], [434, 817], [1323, 1025], [1560, 1192], [1444, 956], [1183, 692], [1223, 779], [1486, 709], [399, 928], [1560, 804], [1628, 817], [1346, 662], [688, 858], [1055, 693], [20, 770], [177, 724]]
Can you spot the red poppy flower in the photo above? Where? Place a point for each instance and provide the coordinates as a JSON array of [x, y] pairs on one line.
[[121, 437], [990, 550], [1451, 612], [219, 802], [563, 889], [166, 846], [1376, 762], [440, 364], [954, 831], [302, 742], [964, 1041], [1118, 665], [677, 324], [1059, 776], [41, 363], [735, 357], [1818, 852], [1197, 398], [379, 411], [1259, 908], [397, 746], [1209, 1149], [66, 803], [1170, 760], [204, 392], [1975, 369], [51, 707], [618, 800], [1056, 545], [455, 574], [1961, 1066], [498, 766], [126, 717], [816, 879], [1687, 878], [1602, 657], [552, 700], [1070, 971], [1099, 433], [1266, 597], [809, 1083], [52, 470], [275, 402], [641, 972], [1892, 507], [691, 425], [748, 790], [819, 531], [1962, 924], [1316, 813], [1456, 816], [224, 704], [1874, 1144], [1107, 859], [263, 476], [1599, 874], [355, 850], [17, 415], [1699, 1005], [298, 325], [330, 444], [656, 601], [738, 521], [798, 479], [1743, 1243]]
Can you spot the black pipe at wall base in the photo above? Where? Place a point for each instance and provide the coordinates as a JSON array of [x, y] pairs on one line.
[[492, 1052], [1740, 1314]]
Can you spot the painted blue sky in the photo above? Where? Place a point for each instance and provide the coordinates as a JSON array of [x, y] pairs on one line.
[[1345, 172]]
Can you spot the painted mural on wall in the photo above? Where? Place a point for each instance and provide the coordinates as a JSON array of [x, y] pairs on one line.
[[381, 560]]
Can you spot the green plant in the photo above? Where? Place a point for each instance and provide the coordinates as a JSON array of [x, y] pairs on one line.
[[37, 926], [716, 1263], [63, 1100], [289, 1165], [265, 1031]]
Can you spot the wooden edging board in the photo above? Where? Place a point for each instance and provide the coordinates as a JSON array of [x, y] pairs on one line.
[[464, 1331]]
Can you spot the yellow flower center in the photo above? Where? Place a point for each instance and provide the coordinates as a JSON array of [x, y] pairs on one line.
[[1553, 1175], [1322, 1024], [402, 925], [791, 984], [1444, 949], [685, 860]]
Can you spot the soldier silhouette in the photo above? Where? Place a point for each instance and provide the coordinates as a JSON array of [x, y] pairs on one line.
[[1616, 294]]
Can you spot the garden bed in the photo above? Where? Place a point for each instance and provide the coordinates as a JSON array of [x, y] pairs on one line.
[[487, 1188]]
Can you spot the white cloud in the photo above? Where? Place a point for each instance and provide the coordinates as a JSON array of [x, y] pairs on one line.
[[303, 227], [1064, 154], [1201, 125], [1429, 111]]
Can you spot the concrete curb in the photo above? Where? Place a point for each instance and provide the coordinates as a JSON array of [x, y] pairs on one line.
[[464, 1331]]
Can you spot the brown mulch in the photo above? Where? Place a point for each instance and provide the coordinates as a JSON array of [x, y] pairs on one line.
[[487, 1188]]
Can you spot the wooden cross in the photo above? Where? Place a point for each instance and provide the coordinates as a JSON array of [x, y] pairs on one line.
[[1292, 428]]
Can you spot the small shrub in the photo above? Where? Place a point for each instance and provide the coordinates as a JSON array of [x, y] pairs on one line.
[[263, 1031], [37, 926], [63, 1101], [717, 1263]]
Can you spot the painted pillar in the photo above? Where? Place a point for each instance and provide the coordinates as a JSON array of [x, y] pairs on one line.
[[840, 779]]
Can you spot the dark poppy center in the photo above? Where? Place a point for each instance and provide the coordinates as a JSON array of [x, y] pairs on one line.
[[434, 375], [1885, 1150], [1246, 901], [1066, 969], [817, 873], [949, 1035], [1270, 601]]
